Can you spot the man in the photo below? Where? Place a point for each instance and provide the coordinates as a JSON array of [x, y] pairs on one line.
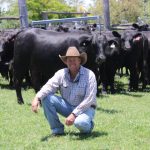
[[77, 86]]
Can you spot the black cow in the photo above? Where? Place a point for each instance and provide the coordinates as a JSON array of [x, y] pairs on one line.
[[135, 56], [144, 27], [6, 42], [128, 49], [113, 55], [37, 51]]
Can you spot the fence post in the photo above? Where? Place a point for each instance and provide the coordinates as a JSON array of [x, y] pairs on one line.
[[23, 13], [106, 14]]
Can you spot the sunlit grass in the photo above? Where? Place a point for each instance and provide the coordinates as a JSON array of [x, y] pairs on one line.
[[122, 122]]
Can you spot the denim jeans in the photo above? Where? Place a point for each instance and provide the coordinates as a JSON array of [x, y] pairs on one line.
[[53, 104]]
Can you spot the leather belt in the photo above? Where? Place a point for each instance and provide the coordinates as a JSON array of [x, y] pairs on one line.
[[93, 106]]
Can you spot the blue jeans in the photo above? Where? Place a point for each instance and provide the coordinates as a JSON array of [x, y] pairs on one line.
[[53, 104]]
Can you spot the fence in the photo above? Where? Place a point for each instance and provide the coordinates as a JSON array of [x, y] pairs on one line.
[[65, 20]]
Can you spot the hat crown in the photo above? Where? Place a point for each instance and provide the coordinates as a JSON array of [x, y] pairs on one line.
[[72, 51]]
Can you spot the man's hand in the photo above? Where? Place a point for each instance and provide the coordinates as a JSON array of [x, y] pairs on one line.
[[35, 104], [70, 120]]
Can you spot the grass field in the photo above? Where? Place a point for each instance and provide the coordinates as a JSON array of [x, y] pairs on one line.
[[122, 122]]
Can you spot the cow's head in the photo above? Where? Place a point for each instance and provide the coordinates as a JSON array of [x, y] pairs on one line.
[[7, 45], [85, 42], [2, 41], [62, 28], [91, 44], [114, 44], [1, 45], [8, 49], [143, 27], [130, 39], [100, 43]]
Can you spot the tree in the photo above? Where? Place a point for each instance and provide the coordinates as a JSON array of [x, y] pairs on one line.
[[35, 7], [13, 11], [120, 10]]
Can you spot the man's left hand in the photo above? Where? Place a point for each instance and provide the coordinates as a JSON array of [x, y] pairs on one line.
[[70, 120]]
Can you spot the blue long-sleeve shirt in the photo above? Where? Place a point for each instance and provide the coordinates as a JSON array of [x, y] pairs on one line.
[[81, 92]]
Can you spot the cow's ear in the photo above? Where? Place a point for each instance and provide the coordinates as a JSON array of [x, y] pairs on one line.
[[136, 26], [87, 42], [116, 34], [89, 39], [137, 37], [112, 43], [138, 34], [146, 25]]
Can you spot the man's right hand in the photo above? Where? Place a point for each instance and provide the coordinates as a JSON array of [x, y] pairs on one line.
[[35, 104]]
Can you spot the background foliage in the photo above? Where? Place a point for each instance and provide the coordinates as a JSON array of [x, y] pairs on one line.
[[35, 7], [124, 10], [121, 11]]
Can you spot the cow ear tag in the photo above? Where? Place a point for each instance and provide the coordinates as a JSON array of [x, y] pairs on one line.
[[84, 44], [137, 38], [112, 45]]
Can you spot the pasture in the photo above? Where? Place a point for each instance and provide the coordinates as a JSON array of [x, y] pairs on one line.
[[122, 122]]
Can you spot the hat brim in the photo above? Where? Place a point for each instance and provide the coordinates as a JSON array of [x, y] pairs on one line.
[[83, 57]]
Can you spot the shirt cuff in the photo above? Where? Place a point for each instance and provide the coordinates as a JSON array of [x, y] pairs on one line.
[[76, 112], [38, 95]]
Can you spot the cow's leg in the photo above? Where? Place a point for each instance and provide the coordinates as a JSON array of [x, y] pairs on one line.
[[103, 78], [133, 83], [145, 70], [104, 88], [19, 73], [18, 83], [10, 73], [111, 73], [120, 71], [36, 78], [145, 66], [11, 83], [27, 79], [144, 83], [112, 89], [142, 78], [127, 71], [98, 83]]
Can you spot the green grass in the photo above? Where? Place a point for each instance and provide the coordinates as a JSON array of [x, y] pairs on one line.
[[122, 122]]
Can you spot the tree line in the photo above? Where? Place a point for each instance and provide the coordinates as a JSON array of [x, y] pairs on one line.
[[120, 10]]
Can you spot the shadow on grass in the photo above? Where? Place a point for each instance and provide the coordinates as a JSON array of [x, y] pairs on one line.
[[77, 136], [109, 111], [9, 87], [6, 86], [133, 94], [122, 88], [50, 136], [126, 93], [80, 136]]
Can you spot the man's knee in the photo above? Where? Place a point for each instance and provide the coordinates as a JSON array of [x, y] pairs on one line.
[[83, 126]]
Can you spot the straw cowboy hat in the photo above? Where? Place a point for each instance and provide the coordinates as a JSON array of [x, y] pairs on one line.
[[73, 52]]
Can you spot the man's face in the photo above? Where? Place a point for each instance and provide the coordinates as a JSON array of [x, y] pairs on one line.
[[73, 63]]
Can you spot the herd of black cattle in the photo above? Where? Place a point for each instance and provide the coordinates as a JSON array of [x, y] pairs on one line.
[[32, 55]]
